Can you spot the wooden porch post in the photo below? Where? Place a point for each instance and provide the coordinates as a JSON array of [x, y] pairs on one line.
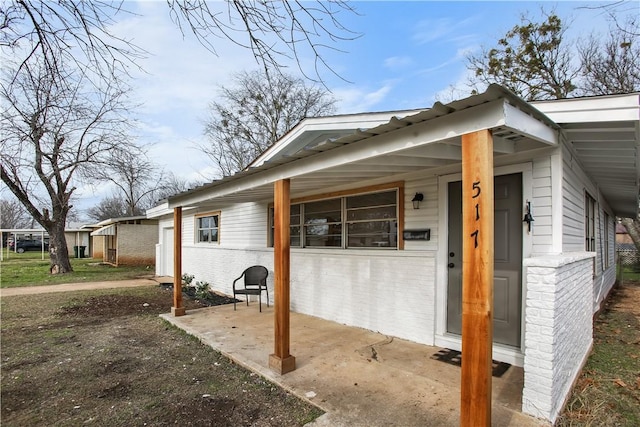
[[477, 278], [281, 361], [177, 309]]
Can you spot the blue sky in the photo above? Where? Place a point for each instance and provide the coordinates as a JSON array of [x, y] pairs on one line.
[[409, 55]]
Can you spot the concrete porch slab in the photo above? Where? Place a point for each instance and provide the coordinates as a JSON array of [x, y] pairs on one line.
[[359, 377]]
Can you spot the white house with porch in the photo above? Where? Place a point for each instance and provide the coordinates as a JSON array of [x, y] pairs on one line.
[[366, 215]]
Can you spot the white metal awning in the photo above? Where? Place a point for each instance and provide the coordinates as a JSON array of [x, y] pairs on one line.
[[109, 230]]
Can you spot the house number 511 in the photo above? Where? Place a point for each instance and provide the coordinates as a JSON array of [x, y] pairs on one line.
[[476, 193]]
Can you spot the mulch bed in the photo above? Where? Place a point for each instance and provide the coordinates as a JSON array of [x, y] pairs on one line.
[[209, 299]]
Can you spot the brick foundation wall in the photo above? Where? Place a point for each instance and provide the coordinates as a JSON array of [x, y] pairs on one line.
[[392, 293], [558, 330]]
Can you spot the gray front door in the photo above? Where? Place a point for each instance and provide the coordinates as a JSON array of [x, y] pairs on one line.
[[507, 283]]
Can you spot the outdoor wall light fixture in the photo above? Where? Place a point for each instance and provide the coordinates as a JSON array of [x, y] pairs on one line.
[[528, 217], [416, 200]]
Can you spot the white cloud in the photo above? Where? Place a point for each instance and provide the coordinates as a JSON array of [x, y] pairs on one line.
[[180, 78], [459, 89], [396, 62], [442, 29], [358, 99]]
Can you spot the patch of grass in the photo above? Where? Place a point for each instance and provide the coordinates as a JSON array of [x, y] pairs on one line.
[[629, 274], [29, 271], [608, 390]]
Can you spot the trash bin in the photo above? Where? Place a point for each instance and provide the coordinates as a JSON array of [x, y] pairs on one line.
[[82, 248], [75, 251]]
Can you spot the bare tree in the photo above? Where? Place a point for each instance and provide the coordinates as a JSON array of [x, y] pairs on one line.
[[629, 25], [172, 184], [110, 207], [273, 31], [136, 191], [52, 127], [257, 111], [65, 89], [611, 65], [67, 33], [13, 214], [632, 225], [133, 174], [532, 59]]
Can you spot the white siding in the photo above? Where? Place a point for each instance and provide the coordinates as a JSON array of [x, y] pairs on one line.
[[424, 217], [542, 206], [244, 225], [220, 266], [164, 266], [241, 226], [575, 184]]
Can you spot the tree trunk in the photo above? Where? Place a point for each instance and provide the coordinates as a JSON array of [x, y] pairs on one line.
[[633, 228], [58, 251]]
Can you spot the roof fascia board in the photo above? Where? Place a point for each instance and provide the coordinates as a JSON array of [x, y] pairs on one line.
[[523, 123], [485, 116], [160, 209], [121, 219], [613, 108]]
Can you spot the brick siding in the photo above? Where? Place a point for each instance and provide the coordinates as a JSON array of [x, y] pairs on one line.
[[558, 331]]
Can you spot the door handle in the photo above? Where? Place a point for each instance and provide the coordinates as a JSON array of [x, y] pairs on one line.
[[451, 265]]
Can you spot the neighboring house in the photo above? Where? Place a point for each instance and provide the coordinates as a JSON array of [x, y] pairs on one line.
[[362, 255], [78, 237], [622, 237], [626, 250], [75, 236], [126, 241]]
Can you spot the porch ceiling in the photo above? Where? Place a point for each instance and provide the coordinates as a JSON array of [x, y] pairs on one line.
[[424, 141], [604, 134], [608, 152]]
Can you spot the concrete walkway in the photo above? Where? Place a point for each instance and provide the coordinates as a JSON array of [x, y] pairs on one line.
[[32, 290], [360, 378]]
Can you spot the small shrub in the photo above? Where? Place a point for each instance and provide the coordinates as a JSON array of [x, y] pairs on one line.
[[202, 290], [187, 279]]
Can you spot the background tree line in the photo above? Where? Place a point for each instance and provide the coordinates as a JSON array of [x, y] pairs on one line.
[[67, 120]]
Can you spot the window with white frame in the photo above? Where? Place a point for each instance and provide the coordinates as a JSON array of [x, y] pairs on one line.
[[207, 227], [589, 223], [605, 239], [368, 220]]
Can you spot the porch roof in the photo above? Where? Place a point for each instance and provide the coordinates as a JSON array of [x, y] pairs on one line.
[[108, 230], [604, 133], [429, 140]]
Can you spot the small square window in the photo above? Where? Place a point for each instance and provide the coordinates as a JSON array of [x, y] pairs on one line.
[[207, 227]]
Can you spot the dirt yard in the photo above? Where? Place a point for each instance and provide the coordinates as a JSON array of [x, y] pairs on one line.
[[105, 358], [608, 390]]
